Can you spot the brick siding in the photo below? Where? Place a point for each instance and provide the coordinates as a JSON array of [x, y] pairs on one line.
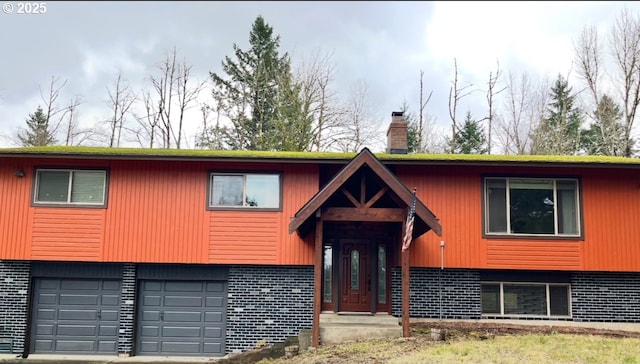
[[267, 303]]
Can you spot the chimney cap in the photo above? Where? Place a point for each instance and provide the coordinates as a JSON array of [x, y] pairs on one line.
[[397, 113]]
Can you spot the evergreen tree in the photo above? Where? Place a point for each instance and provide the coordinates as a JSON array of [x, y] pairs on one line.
[[606, 135], [559, 132], [470, 139], [258, 95], [37, 132]]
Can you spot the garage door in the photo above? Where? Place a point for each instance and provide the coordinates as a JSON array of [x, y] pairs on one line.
[[181, 318], [75, 316]]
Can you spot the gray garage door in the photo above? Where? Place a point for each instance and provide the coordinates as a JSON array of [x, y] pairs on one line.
[[181, 318], [75, 316]]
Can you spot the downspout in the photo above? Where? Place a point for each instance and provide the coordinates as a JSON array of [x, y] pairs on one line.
[[440, 276]]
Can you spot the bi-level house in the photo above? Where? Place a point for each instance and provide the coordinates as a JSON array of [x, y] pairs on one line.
[[181, 252]]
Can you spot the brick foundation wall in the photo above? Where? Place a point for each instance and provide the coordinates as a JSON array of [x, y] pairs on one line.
[[127, 310], [435, 293], [267, 303], [15, 278], [605, 297]]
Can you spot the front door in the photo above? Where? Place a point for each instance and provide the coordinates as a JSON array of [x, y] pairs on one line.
[[355, 284]]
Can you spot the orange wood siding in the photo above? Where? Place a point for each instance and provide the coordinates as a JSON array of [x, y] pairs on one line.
[[255, 237], [610, 225], [249, 237], [15, 211], [67, 234], [611, 221], [156, 212]]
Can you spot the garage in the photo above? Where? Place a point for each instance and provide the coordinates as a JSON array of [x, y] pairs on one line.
[[76, 316], [182, 310]]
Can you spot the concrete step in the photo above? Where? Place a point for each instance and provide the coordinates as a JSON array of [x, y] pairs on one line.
[[358, 318], [345, 327]]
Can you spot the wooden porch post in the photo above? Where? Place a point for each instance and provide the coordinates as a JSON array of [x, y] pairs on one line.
[[317, 283], [406, 332]]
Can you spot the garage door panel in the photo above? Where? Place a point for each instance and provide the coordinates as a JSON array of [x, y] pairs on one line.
[[178, 347], [46, 314], [171, 316], [182, 301], [69, 316], [148, 300], [151, 315], [105, 330], [183, 286], [45, 329], [108, 315], [214, 301], [215, 287], [49, 299], [81, 285], [78, 315], [76, 330], [81, 346], [107, 346], [213, 333], [110, 300], [181, 331], [43, 346], [213, 317], [150, 331], [79, 299], [49, 284], [110, 285], [180, 321], [212, 348]]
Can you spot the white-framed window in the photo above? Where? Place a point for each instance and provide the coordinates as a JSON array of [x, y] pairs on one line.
[[245, 190], [526, 299], [76, 187], [532, 206]]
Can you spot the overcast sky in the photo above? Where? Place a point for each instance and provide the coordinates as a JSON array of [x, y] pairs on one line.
[[385, 44]]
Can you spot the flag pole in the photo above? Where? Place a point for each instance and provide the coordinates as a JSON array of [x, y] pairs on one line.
[[406, 241]]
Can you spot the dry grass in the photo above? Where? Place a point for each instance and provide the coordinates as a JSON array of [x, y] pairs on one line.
[[504, 349]]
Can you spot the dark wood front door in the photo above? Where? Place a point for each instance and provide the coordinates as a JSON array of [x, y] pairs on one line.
[[355, 275]]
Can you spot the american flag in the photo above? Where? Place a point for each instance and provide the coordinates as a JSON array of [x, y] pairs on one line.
[[408, 233]]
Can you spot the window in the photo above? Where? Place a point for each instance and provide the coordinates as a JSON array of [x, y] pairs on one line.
[[70, 187], [532, 206], [327, 277], [260, 191], [525, 299]]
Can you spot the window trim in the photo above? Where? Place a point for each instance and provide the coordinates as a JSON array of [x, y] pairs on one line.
[[36, 180], [555, 178], [212, 172], [520, 315]]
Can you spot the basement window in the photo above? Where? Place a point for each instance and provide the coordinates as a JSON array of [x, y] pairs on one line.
[[525, 299]]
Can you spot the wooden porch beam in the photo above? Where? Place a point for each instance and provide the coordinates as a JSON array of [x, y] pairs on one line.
[[406, 329], [376, 197], [362, 214], [350, 197], [317, 283]]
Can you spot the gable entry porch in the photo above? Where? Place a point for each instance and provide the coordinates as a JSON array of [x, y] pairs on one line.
[[358, 219]]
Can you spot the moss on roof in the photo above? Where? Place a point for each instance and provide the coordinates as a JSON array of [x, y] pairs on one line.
[[142, 153]]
